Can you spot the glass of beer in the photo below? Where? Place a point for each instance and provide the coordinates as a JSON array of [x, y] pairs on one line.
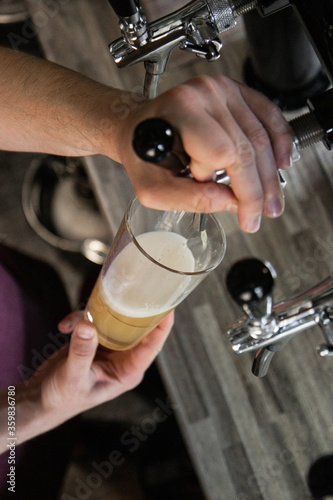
[[156, 260]]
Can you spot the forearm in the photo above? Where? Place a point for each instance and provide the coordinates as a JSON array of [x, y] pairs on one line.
[[47, 108], [22, 416]]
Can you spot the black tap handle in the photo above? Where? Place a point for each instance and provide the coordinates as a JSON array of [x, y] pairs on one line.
[[250, 280], [124, 8], [156, 141], [319, 477]]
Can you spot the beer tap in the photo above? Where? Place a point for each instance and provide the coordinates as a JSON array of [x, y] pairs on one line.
[[196, 28], [266, 328]]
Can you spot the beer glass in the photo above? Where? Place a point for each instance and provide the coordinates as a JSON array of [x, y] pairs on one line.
[[157, 258]]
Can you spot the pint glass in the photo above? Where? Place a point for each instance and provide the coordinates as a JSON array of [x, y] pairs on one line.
[[156, 260]]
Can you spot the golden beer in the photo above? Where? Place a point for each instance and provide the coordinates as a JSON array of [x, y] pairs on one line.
[[140, 288], [116, 331]]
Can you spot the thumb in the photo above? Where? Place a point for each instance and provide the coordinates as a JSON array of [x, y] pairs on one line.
[[82, 349]]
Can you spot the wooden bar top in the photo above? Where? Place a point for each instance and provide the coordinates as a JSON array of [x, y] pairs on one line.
[[249, 438]]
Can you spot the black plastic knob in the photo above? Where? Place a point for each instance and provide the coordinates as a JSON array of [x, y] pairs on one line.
[[250, 280], [153, 140], [157, 142], [124, 8], [320, 477]]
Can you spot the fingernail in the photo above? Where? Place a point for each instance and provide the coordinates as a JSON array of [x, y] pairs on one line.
[[287, 161], [85, 331], [274, 207], [254, 224]]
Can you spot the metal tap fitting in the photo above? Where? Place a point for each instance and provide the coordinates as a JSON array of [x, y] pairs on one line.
[[250, 285]]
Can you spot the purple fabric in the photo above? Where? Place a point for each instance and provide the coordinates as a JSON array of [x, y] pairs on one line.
[[32, 301], [11, 329]]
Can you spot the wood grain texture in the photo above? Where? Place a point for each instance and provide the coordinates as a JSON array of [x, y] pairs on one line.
[[249, 438]]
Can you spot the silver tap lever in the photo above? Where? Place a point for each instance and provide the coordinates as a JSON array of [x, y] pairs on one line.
[[279, 323]]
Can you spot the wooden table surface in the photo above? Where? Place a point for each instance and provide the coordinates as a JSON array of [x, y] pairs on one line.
[[249, 438]]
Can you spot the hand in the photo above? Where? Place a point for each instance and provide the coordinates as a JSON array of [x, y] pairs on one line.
[[223, 125], [76, 378], [82, 376]]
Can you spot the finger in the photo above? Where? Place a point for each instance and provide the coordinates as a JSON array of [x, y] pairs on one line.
[[154, 342], [210, 151], [133, 363], [214, 140], [278, 128], [264, 159], [69, 322], [247, 187], [163, 190], [82, 350], [245, 179], [146, 352]]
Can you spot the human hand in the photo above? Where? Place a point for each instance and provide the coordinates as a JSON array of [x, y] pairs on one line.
[[82, 376], [223, 125]]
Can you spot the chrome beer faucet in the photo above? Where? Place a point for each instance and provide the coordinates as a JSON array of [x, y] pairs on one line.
[[194, 28], [266, 328]]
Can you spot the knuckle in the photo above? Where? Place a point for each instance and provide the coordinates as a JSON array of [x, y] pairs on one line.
[[205, 200], [209, 85], [144, 197], [257, 199], [80, 352], [273, 109], [259, 138], [147, 193], [202, 204], [226, 83], [252, 203], [245, 156], [182, 97], [278, 123], [204, 81]]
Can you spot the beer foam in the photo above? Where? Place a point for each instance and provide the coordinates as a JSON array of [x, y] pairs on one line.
[[136, 286]]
